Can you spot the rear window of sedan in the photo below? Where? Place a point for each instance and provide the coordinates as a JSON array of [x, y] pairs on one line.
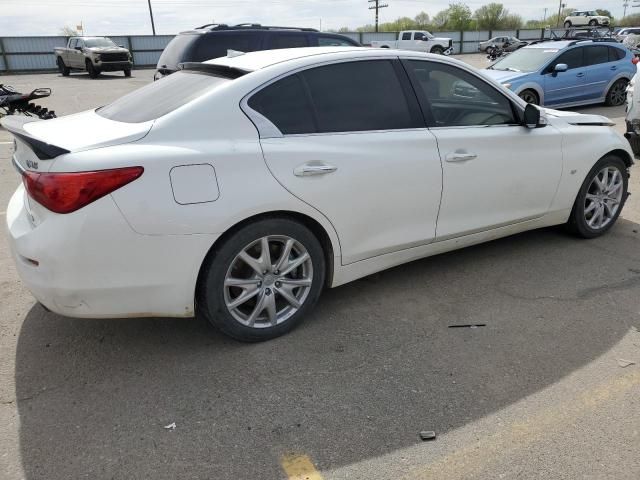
[[159, 98]]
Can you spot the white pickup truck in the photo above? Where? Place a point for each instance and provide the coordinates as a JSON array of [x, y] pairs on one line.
[[418, 40]]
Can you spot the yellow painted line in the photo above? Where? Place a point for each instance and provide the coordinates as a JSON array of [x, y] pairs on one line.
[[299, 467], [515, 437]]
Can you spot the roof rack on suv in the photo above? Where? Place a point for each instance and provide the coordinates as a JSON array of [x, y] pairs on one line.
[[253, 26]]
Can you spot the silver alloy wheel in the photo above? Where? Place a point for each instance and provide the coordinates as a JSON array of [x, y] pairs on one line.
[[603, 198], [268, 281], [529, 97], [618, 93]]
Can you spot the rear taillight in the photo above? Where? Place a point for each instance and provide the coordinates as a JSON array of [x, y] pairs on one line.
[[635, 60], [68, 192]]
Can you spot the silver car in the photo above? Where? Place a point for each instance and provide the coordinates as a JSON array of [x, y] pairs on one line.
[[499, 42]]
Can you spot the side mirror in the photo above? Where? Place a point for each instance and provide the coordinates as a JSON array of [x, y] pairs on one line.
[[79, 49], [561, 67], [532, 117]]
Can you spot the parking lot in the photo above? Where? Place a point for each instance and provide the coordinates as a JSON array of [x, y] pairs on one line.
[[548, 387]]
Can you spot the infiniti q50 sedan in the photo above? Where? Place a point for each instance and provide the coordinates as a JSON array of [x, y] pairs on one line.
[[237, 189]]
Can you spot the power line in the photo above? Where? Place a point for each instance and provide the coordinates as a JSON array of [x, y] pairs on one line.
[[377, 7]]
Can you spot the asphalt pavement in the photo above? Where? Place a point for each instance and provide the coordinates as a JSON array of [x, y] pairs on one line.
[[549, 387]]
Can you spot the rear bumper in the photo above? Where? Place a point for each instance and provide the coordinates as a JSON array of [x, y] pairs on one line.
[[91, 264], [634, 139]]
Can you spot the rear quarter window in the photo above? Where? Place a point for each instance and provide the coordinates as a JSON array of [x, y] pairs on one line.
[[159, 98], [616, 54]]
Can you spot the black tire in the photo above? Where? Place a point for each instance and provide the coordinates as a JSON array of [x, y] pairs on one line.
[[530, 96], [210, 294], [488, 50], [617, 94], [593, 23], [438, 50], [567, 24], [127, 72], [577, 223], [93, 72], [64, 70]]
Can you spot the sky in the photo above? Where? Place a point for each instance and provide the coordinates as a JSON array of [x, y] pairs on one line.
[[122, 17]]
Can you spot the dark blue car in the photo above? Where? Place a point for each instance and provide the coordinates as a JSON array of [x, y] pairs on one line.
[[567, 73]]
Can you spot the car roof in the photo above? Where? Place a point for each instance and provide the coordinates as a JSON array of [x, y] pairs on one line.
[[556, 45]]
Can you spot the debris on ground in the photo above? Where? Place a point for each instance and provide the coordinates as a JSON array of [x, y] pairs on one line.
[[625, 363], [469, 325], [427, 435], [171, 426]]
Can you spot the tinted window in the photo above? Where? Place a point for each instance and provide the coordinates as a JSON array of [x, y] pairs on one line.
[[573, 58], [419, 36], [159, 98], [616, 54], [597, 54], [324, 41], [406, 36], [73, 43], [216, 45], [286, 104], [288, 41], [358, 96], [178, 50], [457, 98]]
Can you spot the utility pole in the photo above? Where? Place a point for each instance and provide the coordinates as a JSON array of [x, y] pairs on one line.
[[153, 26], [545, 15], [377, 7], [560, 7], [625, 4]]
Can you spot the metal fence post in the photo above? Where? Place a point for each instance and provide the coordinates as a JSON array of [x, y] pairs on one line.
[[4, 56], [130, 45], [360, 38]]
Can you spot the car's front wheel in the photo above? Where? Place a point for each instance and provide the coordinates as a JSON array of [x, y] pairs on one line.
[[567, 24], [262, 280], [601, 198], [530, 96], [593, 23], [617, 94], [91, 69]]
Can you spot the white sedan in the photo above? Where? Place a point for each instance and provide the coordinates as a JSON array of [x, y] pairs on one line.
[[239, 188]]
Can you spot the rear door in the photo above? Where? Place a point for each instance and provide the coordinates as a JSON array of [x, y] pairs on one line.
[[565, 87], [601, 69], [357, 151]]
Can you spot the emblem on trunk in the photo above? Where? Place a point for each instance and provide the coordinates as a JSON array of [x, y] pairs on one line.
[[32, 164]]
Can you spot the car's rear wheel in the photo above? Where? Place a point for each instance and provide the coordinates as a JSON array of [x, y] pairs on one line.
[[567, 24], [617, 94], [488, 50], [262, 280], [530, 96], [64, 70], [601, 198], [437, 50]]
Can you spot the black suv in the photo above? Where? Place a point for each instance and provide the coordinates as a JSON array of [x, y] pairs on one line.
[[213, 41]]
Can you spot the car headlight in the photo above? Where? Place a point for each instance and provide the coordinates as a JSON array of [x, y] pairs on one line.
[[506, 85]]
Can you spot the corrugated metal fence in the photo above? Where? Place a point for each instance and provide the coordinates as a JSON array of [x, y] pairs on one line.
[[29, 54]]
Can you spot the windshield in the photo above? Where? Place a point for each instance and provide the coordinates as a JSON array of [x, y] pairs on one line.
[[159, 98], [99, 42], [525, 59]]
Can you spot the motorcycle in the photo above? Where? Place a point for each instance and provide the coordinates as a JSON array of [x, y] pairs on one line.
[[13, 102], [495, 52]]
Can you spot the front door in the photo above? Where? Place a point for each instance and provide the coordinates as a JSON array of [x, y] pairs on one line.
[[569, 86], [357, 151], [495, 171]]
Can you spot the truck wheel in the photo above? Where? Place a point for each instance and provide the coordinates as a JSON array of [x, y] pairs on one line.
[[64, 70], [438, 50], [567, 24], [93, 72], [127, 72]]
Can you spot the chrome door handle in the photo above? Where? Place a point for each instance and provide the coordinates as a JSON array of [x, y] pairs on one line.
[[311, 168], [460, 157]]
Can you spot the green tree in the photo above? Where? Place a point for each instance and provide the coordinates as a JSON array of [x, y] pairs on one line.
[[459, 17], [491, 16], [67, 31], [422, 20]]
